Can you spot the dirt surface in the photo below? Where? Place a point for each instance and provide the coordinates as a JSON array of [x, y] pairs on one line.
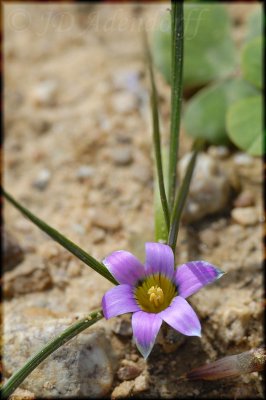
[[78, 153]]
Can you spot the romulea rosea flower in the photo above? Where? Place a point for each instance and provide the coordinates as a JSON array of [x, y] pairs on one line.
[[155, 292]]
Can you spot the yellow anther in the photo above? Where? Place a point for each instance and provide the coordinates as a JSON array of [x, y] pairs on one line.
[[156, 295]]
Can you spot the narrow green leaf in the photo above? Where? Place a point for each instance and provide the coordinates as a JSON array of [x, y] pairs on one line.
[[177, 27], [209, 49], [156, 136], [182, 196], [18, 377], [66, 243], [161, 232]]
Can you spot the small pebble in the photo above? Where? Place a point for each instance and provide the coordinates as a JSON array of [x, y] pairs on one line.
[[126, 80], [23, 225], [73, 269], [42, 179], [219, 224], [244, 199], [123, 102], [243, 159], [78, 228], [245, 215], [235, 230], [123, 390], [209, 237], [106, 220], [123, 327], [209, 190], [44, 93], [40, 126], [170, 339], [122, 155], [218, 152], [134, 357], [84, 172], [141, 174], [141, 383], [98, 235], [128, 371], [124, 139]]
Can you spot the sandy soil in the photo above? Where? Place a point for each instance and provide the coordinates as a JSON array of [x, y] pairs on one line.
[[78, 153]]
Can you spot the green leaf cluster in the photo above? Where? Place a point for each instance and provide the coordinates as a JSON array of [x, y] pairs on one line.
[[220, 112]]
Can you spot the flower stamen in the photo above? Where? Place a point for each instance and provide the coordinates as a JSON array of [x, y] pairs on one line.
[[156, 295]]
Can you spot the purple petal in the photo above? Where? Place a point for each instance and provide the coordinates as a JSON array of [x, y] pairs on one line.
[[119, 300], [145, 329], [159, 259], [181, 316], [125, 267], [192, 276]]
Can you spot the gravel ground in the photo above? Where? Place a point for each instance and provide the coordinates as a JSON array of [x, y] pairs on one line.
[[78, 153]]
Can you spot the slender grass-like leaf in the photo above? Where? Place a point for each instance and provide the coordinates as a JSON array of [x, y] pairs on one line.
[[161, 232], [156, 136], [182, 196], [18, 377], [177, 36], [66, 243]]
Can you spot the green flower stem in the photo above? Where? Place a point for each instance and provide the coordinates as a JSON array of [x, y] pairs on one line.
[[180, 202], [156, 137], [177, 29], [18, 377], [161, 231], [66, 243]]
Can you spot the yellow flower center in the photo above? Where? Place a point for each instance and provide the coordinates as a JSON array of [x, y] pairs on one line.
[[155, 293]]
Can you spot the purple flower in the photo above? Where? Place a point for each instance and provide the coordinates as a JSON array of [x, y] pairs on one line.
[[155, 292]]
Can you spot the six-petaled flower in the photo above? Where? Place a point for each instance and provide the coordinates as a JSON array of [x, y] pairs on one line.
[[155, 292]]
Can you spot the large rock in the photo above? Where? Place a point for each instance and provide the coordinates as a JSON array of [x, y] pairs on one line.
[[30, 276], [209, 189], [85, 366]]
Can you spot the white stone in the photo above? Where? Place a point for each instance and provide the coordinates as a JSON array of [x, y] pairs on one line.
[[44, 93], [245, 215], [243, 159], [209, 188], [42, 179], [122, 155], [218, 151], [85, 171], [123, 102]]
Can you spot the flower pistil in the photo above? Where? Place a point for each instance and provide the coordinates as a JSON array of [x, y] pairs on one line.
[[156, 295]]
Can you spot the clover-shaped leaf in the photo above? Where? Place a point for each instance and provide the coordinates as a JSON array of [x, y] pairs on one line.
[[254, 23], [251, 61], [206, 111], [244, 124]]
